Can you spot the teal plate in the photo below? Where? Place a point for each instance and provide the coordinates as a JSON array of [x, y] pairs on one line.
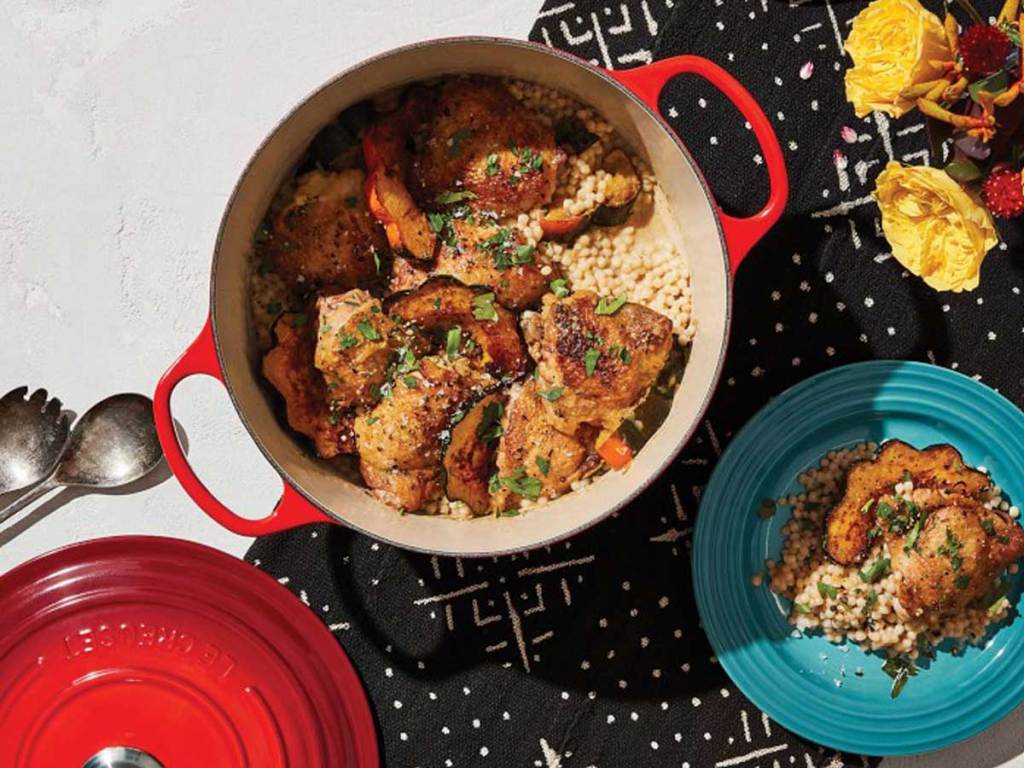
[[794, 678]]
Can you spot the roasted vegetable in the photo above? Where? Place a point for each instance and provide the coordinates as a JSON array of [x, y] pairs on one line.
[[621, 190], [559, 224], [938, 466], [469, 455], [407, 227], [572, 134], [443, 303]]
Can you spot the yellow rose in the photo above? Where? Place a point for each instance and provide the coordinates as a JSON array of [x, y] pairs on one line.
[[894, 44], [936, 229]]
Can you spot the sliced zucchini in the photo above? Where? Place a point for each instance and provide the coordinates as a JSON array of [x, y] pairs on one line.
[[443, 303], [622, 190], [469, 456]]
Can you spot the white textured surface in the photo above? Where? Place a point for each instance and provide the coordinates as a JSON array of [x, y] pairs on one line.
[[124, 126]]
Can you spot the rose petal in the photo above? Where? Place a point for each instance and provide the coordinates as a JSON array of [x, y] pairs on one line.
[[807, 70], [839, 159], [849, 135]]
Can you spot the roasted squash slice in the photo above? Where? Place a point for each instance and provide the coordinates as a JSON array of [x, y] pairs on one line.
[[938, 466], [443, 303], [407, 227], [621, 190], [469, 456]]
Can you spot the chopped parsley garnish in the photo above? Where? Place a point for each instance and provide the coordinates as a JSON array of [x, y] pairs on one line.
[[411, 382], [300, 320], [590, 358], [559, 288], [407, 362], [827, 590], [518, 482], [900, 669], [870, 602], [877, 570], [347, 341], [273, 307], [367, 330], [455, 142], [376, 261], [483, 307], [524, 254], [962, 581], [951, 549], [447, 198], [458, 416], [508, 513], [325, 328], [620, 352], [551, 394], [543, 465], [333, 417], [867, 506], [884, 511], [453, 341], [437, 221], [371, 420], [802, 607], [492, 168], [610, 306], [988, 526], [489, 427]]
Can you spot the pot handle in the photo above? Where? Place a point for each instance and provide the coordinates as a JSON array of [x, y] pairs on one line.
[[201, 358], [740, 233]]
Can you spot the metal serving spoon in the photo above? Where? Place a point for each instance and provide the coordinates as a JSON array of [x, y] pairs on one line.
[[113, 444], [32, 435]]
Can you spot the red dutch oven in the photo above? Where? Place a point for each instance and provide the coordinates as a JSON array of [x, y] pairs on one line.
[[712, 242]]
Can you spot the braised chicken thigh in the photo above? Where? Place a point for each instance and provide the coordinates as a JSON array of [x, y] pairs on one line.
[[289, 367]]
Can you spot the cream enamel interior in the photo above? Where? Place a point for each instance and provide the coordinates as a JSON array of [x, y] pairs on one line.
[[698, 238]]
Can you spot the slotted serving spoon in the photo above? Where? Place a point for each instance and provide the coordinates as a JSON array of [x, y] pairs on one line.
[[113, 444], [33, 433]]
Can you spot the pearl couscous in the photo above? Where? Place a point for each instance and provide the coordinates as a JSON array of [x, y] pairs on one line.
[[838, 600]]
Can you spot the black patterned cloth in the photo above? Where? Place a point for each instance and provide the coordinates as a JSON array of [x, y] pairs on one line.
[[590, 653]]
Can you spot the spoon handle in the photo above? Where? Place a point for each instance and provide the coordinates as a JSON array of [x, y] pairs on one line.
[[23, 501]]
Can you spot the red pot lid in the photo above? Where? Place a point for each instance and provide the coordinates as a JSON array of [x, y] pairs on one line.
[[170, 654]]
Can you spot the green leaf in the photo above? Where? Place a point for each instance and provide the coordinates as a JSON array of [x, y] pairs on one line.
[[590, 358], [367, 330], [483, 307], [492, 169], [524, 254], [521, 484], [447, 198], [962, 581], [437, 221], [963, 171], [994, 84], [827, 590], [347, 341], [559, 288], [543, 465], [489, 427], [551, 394], [877, 570], [1009, 29], [610, 306], [900, 669], [453, 341], [870, 602]]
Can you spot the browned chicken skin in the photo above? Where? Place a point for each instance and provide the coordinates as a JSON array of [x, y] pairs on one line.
[[354, 346], [400, 439], [474, 261], [326, 236], [481, 139], [289, 367], [603, 363], [962, 548], [531, 444], [939, 466]]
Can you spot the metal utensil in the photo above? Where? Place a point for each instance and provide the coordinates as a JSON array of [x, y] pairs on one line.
[[33, 433], [113, 444]]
